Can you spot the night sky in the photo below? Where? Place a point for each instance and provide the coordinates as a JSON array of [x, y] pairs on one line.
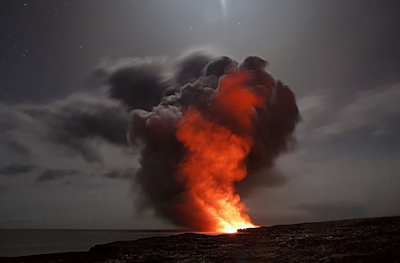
[[341, 59]]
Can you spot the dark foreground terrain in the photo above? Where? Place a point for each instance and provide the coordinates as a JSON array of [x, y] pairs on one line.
[[359, 240]]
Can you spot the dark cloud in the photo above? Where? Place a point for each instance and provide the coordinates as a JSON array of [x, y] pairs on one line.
[[18, 146], [124, 175], [360, 123], [53, 174], [377, 109], [16, 169], [71, 122], [79, 125]]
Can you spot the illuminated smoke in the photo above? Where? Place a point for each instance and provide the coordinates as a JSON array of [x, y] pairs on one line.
[[212, 139]]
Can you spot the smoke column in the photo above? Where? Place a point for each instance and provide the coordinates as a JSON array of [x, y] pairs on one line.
[[211, 139]]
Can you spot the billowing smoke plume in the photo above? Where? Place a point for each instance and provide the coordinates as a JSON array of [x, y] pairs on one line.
[[208, 133], [217, 100]]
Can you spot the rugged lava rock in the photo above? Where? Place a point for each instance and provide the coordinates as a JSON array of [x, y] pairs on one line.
[[358, 240]]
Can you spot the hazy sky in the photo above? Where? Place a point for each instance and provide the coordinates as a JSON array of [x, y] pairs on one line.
[[341, 58]]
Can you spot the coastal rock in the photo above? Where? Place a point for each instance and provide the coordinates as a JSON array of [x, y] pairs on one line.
[[357, 240]]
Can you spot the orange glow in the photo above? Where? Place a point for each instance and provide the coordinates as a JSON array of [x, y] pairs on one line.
[[215, 158], [236, 99]]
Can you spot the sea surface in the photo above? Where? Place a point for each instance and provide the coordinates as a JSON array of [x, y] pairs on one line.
[[19, 242]]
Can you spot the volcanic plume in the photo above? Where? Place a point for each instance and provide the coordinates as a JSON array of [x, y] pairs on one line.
[[210, 139]]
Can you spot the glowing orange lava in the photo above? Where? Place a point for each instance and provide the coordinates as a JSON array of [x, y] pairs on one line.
[[215, 158]]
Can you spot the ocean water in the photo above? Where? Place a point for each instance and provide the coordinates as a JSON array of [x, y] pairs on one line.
[[21, 242]]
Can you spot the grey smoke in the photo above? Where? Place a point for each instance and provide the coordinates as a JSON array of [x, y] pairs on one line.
[[156, 179], [54, 174], [123, 175], [69, 122], [138, 83], [78, 125], [143, 100]]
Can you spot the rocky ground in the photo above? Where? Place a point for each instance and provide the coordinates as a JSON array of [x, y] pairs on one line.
[[359, 240]]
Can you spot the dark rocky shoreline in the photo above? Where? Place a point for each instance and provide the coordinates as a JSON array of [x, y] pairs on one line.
[[357, 240]]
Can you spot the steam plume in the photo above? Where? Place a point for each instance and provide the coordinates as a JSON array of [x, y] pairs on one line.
[[240, 111]]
